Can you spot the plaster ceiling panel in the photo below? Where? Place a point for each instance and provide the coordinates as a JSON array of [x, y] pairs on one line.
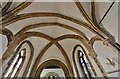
[[69, 9], [110, 22], [101, 8], [87, 32], [68, 45], [52, 53], [39, 44], [50, 31], [53, 31], [41, 7], [17, 26], [62, 31]]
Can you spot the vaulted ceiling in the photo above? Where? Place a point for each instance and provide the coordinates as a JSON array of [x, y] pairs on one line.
[[53, 29]]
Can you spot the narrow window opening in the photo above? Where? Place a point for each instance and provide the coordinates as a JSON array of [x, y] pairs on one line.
[[84, 64], [14, 66]]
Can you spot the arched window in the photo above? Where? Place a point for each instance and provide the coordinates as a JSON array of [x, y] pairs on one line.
[[81, 57], [84, 64], [15, 63]]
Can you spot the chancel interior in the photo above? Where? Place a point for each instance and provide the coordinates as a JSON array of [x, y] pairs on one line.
[[52, 40]]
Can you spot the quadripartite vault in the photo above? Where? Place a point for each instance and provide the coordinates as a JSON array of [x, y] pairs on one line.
[[59, 39]]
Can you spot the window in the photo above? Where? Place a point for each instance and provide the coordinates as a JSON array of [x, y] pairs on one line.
[[17, 61], [84, 64]]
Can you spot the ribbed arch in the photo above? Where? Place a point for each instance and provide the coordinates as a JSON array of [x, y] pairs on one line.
[[16, 41]]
